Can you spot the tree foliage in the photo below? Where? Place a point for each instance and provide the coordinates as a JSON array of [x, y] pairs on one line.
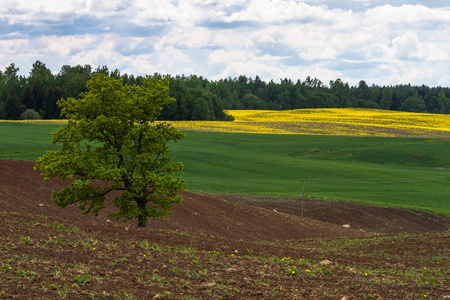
[[111, 143], [198, 98]]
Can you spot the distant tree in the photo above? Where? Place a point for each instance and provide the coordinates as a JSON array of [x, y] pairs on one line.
[[242, 86], [28, 98], [300, 102], [386, 99], [51, 109], [363, 90], [2, 96], [250, 101], [258, 83], [111, 143], [40, 72], [341, 92], [2, 110], [11, 80], [397, 99], [177, 110], [317, 100], [12, 108], [30, 114], [241, 92], [115, 74], [38, 95], [444, 105], [273, 90], [73, 79], [371, 104], [102, 70], [285, 100], [433, 105], [200, 109], [218, 110], [235, 101], [413, 104]]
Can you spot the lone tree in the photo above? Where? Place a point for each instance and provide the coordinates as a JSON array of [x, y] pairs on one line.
[[110, 143]]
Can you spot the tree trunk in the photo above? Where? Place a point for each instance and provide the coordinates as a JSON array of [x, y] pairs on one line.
[[142, 218], [142, 224]]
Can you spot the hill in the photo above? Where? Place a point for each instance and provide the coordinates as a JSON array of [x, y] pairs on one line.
[[216, 248], [402, 172], [23, 190]]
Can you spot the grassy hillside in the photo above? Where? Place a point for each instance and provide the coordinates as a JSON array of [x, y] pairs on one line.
[[25, 141], [388, 171], [405, 172]]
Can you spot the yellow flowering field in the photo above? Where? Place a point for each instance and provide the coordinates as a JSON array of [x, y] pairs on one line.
[[340, 121], [49, 121], [328, 121]]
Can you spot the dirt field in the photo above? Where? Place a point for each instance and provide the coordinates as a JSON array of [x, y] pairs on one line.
[[216, 246]]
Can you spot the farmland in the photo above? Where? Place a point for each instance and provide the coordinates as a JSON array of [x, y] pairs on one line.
[[350, 122], [411, 171], [327, 121], [215, 249], [254, 244]]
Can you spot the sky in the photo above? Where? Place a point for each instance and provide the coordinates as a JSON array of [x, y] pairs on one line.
[[380, 42]]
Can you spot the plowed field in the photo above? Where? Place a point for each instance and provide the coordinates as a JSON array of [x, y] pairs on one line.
[[216, 246]]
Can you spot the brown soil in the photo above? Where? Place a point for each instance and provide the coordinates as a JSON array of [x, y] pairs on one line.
[[212, 224], [226, 215], [362, 217]]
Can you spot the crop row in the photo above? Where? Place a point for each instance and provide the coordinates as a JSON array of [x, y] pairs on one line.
[[353, 122], [329, 121], [51, 258]]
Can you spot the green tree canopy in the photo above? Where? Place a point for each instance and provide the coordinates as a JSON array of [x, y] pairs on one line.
[[413, 104], [197, 98], [40, 72], [111, 143]]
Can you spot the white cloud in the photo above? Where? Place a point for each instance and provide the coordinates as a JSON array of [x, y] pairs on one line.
[[185, 38], [49, 45], [406, 16], [148, 12], [36, 12], [268, 11], [227, 57], [359, 39], [248, 68], [407, 46]]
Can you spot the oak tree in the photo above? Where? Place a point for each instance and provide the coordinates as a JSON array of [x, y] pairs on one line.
[[111, 143]]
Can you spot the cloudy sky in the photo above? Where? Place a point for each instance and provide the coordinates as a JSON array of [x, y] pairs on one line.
[[381, 42]]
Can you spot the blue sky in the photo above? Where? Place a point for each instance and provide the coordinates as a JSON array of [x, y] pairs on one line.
[[381, 42]]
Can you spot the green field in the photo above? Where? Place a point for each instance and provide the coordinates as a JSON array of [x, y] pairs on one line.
[[404, 172]]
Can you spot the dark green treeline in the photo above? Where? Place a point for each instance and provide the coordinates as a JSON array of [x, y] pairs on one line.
[[35, 96]]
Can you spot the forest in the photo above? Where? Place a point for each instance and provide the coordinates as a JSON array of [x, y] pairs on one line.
[[197, 98]]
